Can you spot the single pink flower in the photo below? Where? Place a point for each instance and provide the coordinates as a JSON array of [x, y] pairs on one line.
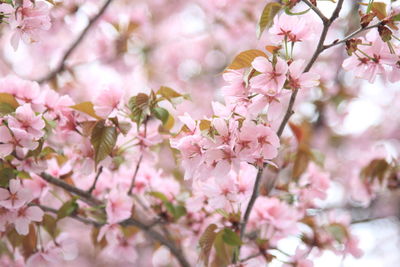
[[299, 80], [24, 216], [271, 79], [26, 120], [16, 196], [119, 206], [29, 21], [108, 101], [293, 28]]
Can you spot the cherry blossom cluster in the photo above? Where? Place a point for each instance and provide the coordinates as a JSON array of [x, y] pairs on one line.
[[135, 164]]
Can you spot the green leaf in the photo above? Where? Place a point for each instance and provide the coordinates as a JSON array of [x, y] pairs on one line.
[[179, 211], [206, 241], [244, 59], [67, 209], [5, 109], [87, 108], [396, 17], [50, 225], [224, 252], [161, 113], [103, 140], [8, 99], [6, 174], [168, 93], [231, 238], [159, 195], [338, 231], [290, 13], [267, 17]]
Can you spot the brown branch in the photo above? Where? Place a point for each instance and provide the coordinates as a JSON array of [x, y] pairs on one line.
[[316, 10], [92, 201], [253, 198], [73, 216], [95, 180], [75, 44], [160, 238], [289, 111], [86, 197], [348, 37], [139, 161]]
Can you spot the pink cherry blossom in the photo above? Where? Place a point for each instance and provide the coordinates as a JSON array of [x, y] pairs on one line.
[[108, 101], [24, 216], [297, 79], [16, 196], [119, 206], [26, 120], [291, 28], [271, 79], [29, 21]]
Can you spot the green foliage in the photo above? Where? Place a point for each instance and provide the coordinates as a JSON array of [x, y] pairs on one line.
[[103, 140], [267, 17]]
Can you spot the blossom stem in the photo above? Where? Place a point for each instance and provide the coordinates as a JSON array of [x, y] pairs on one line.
[[320, 48], [95, 180]]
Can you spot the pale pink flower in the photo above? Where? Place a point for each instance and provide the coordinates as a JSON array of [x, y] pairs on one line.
[[300, 259], [299, 80], [280, 218], [20, 139], [16, 196], [24, 216], [108, 101], [221, 192], [375, 59], [43, 258], [30, 20], [119, 206], [293, 28], [271, 79], [236, 83], [26, 120]]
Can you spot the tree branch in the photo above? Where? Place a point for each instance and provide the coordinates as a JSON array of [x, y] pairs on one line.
[[92, 201], [95, 180], [86, 197], [316, 10], [353, 34], [289, 111], [75, 44]]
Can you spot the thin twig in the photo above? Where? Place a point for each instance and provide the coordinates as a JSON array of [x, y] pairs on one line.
[[348, 37], [89, 199], [289, 111], [74, 45], [316, 10], [253, 198], [139, 161], [73, 216], [86, 197], [95, 180]]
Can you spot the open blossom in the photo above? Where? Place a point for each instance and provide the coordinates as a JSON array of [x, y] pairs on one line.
[[280, 218], [29, 21], [108, 101], [18, 139], [236, 85], [375, 59], [297, 79], [15, 197], [24, 216], [119, 206], [271, 79], [291, 28], [26, 120]]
